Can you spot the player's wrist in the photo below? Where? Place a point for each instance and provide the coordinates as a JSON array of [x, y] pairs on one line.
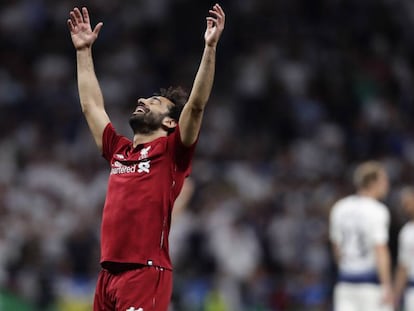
[[83, 47], [84, 51], [386, 287], [211, 46]]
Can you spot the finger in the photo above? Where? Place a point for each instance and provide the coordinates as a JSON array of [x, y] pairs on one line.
[[97, 28], [220, 9], [214, 13], [85, 14], [219, 18], [211, 22], [78, 15], [219, 14], [70, 25], [73, 18]]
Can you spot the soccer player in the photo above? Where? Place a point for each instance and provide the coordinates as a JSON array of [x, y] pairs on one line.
[[146, 173], [359, 229], [404, 277]]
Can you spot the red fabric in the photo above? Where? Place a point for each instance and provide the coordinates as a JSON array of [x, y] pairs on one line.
[[144, 289], [143, 185]]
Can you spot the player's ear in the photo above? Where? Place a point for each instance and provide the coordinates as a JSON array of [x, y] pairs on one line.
[[169, 123]]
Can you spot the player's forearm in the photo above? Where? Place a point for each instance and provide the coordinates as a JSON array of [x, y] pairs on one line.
[[384, 266], [400, 281], [89, 90], [203, 81]]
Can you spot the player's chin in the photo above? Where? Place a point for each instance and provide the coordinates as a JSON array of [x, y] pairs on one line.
[[135, 119], [137, 116]]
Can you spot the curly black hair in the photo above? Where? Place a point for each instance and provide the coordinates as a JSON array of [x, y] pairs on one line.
[[178, 96]]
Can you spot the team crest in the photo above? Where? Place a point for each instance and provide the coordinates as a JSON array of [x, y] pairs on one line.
[[144, 153]]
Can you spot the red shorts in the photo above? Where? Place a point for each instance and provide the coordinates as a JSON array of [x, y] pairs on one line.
[[145, 289]]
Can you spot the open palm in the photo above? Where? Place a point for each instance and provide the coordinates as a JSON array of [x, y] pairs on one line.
[[80, 29]]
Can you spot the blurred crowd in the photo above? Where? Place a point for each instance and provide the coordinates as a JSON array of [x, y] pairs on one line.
[[304, 91]]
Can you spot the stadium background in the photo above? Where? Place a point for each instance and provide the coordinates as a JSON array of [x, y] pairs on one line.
[[304, 90]]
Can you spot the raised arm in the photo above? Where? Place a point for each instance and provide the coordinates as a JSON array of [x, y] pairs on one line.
[[191, 117], [90, 94]]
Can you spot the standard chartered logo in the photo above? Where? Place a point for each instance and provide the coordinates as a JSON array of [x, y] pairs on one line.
[[144, 167], [141, 167]]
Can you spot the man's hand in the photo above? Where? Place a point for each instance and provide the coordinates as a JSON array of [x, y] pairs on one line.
[[215, 25], [387, 295], [80, 29]]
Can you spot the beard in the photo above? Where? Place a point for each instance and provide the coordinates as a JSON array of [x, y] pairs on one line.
[[146, 123]]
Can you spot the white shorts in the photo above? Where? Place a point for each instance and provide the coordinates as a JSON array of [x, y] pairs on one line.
[[409, 299], [359, 297]]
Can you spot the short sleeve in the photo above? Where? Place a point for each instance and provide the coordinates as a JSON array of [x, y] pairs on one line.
[[181, 154], [379, 225], [334, 233], [110, 141]]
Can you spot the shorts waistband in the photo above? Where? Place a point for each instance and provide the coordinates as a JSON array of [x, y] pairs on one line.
[[119, 267], [359, 278]]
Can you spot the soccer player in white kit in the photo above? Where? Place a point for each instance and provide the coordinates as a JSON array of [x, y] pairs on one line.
[[404, 277], [359, 230]]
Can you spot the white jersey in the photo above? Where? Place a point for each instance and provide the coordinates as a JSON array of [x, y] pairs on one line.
[[357, 225], [406, 249], [405, 258]]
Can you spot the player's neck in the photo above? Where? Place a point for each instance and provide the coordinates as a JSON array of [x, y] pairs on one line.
[[368, 193], [140, 138]]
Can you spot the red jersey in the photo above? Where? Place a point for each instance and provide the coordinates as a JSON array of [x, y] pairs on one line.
[[143, 184]]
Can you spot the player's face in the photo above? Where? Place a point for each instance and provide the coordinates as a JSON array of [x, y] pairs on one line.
[[407, 201], [149, 114]]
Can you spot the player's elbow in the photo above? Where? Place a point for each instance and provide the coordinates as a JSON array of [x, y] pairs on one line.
[[197, 104], [85, 109], [196, 107]]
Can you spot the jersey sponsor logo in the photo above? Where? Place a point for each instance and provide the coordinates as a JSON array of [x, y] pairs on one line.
[[144, 167], [133, 309], [141, 167], [119, 168]]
